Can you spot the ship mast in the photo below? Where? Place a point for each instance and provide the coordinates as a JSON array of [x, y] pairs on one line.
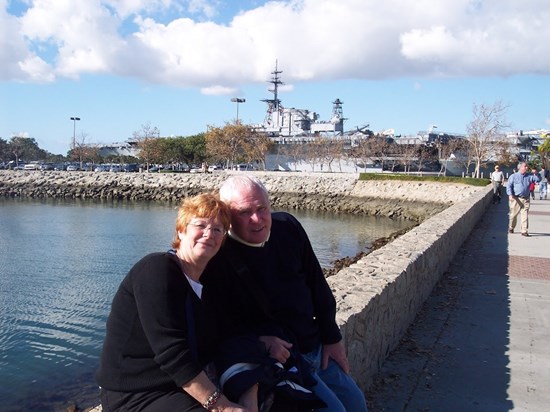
[[274, 103]]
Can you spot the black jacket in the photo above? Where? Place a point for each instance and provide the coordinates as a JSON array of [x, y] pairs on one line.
[[278, 289], [151, 342]]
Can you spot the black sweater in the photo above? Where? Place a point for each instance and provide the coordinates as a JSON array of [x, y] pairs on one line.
[[150, 344], [278, 289]]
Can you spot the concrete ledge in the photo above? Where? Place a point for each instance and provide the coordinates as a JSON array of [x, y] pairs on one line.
[[380, 295]]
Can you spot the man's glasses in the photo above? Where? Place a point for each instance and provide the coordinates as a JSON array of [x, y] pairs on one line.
[[217, 231]]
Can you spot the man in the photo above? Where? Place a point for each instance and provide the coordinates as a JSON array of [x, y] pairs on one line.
[[518, 195], [268, 281], [498, 179], [543, 185]]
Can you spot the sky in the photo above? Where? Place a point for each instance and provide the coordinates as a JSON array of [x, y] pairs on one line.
[[406, 65]]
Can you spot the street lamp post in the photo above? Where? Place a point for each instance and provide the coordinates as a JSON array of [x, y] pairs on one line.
[[238, 100], [74, 119]]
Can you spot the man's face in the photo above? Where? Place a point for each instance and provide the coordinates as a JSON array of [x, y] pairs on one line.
[[251, 215], [523, 168]]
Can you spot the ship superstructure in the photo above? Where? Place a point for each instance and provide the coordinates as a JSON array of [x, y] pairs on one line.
[[290, 122]]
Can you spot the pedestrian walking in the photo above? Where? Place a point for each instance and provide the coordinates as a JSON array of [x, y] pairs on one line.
[[497, 178], [518, 191], [543, 185], [532, 185]]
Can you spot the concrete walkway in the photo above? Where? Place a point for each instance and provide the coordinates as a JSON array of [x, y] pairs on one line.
[[482, 340]]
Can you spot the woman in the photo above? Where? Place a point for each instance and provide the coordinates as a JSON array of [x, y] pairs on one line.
[[160, 335]]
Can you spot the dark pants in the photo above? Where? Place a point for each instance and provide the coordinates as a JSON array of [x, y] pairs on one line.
[[497, 188], [151, 401]]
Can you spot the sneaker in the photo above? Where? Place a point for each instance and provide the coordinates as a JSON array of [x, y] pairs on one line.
[[525, 234], [510, 230]]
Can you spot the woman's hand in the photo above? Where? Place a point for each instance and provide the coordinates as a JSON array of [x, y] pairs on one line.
[[277, 348], [203, 390], [225, 405]]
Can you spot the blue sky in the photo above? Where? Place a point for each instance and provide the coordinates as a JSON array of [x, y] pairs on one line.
[[175, 64]]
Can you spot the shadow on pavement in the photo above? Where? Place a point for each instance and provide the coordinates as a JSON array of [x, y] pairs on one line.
[[454, 356]]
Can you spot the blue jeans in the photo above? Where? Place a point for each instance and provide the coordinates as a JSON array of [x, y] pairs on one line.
[[334, 386], [543, 190]]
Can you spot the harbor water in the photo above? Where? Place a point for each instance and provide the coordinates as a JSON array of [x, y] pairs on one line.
[[61, 262]]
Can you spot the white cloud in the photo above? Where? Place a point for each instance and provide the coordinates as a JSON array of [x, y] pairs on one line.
[[204, 7], [219, 90], [83, 33], [37, 69], [312, 40], [17, 61], [125, 8], [486, 38]]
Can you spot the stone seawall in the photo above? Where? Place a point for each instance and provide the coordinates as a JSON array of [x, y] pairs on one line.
[[379, 296], [317, 191]]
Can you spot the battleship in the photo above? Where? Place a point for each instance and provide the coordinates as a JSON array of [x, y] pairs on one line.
[[282, 122], [284, 125]]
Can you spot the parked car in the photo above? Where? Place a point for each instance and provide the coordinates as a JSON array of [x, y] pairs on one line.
[[46, 166], [183, 168], [243, 167], [214, 168], [31, 166], [72, 168], [131, 167]]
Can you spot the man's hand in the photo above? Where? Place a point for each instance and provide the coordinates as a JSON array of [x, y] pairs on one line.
[[277, 348], [337, 352]]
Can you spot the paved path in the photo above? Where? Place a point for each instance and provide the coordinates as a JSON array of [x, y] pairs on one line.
[[482, 340]]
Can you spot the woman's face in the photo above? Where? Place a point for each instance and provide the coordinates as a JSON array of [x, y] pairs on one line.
[[201, 239]]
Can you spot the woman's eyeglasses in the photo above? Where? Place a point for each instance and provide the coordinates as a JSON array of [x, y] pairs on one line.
[[216, 231]]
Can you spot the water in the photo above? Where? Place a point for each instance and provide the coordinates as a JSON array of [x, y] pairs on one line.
[[61, 262]]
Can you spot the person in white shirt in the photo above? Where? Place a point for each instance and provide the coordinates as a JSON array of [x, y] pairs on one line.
[[498, 180]]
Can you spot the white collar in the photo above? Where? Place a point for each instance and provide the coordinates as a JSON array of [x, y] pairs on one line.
[[244, 242]]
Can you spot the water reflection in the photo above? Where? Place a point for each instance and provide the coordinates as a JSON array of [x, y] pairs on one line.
[[61, 263]]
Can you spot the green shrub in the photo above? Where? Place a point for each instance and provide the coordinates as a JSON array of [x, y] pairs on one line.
[[427, 178]]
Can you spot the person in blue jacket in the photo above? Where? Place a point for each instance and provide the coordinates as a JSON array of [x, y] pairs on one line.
[[519, 197]]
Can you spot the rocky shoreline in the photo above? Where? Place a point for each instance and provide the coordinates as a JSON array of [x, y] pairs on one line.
[[334, 192]]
